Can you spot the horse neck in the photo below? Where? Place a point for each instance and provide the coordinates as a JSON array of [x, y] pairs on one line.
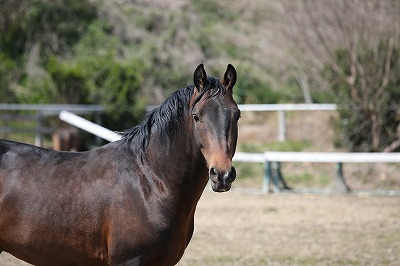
[[178, 163]]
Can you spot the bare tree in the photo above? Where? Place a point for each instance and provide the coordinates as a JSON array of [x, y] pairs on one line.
[[368, 32]]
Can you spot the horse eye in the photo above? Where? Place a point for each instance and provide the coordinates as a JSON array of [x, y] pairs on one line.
[[196, 117]]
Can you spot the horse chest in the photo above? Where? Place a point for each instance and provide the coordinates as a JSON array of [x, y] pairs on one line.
[[152, 245]]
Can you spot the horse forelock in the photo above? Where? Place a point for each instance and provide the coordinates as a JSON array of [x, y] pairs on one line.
[[213, 88], [167, 118]]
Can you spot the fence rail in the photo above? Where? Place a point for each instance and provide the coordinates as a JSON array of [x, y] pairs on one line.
[[272, 161], [287, 107], [89, 126], [39, 112], [282, 109], [53, 109]]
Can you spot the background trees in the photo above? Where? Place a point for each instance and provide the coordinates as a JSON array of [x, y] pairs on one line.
[[61, 52], [353, 47]]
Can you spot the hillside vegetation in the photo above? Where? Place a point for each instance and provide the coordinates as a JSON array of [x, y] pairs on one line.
[[125, 54]]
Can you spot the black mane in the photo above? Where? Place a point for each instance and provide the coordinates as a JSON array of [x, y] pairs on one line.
[[168, 116]]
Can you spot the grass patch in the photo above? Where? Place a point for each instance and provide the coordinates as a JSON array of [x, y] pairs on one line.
[[249, 175], [246, 170], [308, 180], [251, 147], [289, 145]]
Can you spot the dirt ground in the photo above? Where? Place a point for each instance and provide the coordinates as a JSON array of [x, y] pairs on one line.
[[291, 229], [295, 229]]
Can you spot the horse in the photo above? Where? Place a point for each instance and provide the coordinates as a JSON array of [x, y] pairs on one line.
[[68, 139], [129, 202]]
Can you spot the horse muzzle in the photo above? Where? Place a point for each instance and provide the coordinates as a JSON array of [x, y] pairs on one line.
[[221, 181]]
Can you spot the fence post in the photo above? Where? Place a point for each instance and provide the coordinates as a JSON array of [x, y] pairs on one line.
[[267, 176], [38, 133], [279, 176], [282, 126], [275, 178]]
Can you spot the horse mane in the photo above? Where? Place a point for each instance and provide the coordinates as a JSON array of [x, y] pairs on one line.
[[165, 119]]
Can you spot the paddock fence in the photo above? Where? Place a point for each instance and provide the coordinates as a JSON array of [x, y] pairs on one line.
[[271, 160], [272, 165], [36, 113]]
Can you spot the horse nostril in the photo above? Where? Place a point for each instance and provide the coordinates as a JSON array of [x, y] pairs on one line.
[[213, 172], [231, 175]]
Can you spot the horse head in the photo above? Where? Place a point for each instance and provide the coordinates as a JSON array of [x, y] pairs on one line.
[[215, 117]]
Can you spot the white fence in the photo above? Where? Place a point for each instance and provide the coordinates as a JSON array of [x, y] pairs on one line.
[[273, 159], [281, 110], [40, 111], [89, 126], [287, 107], [319, 157]]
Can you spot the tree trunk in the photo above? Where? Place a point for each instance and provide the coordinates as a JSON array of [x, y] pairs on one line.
[[375, 131]]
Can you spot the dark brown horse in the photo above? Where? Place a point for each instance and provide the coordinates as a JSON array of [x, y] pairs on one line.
[[67, 139], [130, 202]]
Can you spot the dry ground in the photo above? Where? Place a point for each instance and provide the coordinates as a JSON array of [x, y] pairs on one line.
[[291, 229], [294, 229]]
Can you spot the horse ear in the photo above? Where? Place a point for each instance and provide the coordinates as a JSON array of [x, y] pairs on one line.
[[200, 78], [229, 77]]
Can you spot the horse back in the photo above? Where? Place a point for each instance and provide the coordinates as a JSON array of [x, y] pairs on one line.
[[90, 208], [49, 211]]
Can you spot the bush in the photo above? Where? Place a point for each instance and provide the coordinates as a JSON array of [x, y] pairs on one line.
[[7, 71], [367, 105]]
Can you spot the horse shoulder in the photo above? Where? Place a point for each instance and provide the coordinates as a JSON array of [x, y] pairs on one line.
[[141, 230]]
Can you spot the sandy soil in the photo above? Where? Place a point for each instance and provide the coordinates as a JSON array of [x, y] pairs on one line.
[[291, 229], [295, 229]]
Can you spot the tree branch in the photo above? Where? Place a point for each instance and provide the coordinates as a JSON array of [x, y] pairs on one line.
[[387, 69], [393, 146]]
